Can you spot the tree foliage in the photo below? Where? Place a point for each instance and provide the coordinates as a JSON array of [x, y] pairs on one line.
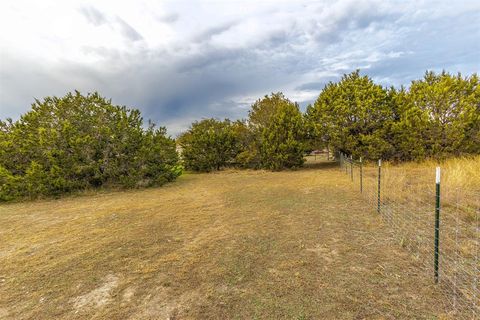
[[282, 138], [271, 138], [208, 145], [76, 142], [436, 116], [276, 134], [449, 106], [353, 116]]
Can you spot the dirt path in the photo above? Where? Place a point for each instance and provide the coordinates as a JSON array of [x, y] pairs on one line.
[[231, 245]]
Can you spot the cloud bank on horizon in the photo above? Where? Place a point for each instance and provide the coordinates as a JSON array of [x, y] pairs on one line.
[[178, 61]]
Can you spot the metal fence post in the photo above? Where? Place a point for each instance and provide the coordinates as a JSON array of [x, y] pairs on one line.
[[351, 167], [346, 167], [361, 176], [437, 222], [379, 180]]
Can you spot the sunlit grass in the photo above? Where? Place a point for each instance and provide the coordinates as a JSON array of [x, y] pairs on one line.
[[237, 244]]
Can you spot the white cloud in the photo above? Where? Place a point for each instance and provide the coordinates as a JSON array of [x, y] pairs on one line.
[[183, 60]]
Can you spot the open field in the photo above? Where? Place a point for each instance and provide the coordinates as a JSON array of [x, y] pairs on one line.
[[230, 245]]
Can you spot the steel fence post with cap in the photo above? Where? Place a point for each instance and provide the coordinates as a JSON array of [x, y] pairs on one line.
[[379, 184], [437, 223], [351, 167], [361, 176]]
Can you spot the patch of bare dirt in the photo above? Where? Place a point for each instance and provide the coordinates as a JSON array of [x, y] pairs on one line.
[[128, 294], [97, 297], [165, 305], [326, 253], [3, 313]]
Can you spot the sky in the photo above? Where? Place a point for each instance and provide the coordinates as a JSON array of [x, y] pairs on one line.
[[180, 61]]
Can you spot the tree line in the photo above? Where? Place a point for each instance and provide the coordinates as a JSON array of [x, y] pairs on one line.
[[436, 117], [77, 142], [272, 137]]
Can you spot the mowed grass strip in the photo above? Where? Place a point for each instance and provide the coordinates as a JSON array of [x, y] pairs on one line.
[[229, 245]]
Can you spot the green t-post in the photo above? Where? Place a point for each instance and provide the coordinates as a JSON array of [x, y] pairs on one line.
[[351, 167], [379, 179], [361, 176], [346, 165], [437, 222]]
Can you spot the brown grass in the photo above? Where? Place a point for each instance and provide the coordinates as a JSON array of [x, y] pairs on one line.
[[415, 182], [408, 208], [230, 245]]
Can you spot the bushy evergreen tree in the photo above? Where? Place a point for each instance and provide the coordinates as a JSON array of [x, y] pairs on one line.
[[248, 146], [449, 108], [282, 140], [436, 116], [209, 144], [408, 131], [353, 116], [277, 134], [271, 138], [314, 138], [260, 117]]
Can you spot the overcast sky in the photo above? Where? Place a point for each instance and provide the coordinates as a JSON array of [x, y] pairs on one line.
[[178, 61]]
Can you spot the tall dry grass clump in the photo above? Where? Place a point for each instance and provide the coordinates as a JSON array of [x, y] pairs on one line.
[[460, 181]]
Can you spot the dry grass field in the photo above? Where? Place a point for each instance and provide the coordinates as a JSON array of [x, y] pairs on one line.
[[407, 205], [460, 180], [230, 245]]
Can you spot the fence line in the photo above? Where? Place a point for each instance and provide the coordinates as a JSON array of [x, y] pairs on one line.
[[437, 223]]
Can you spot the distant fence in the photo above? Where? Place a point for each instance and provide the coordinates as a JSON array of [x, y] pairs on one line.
[[438, 224]]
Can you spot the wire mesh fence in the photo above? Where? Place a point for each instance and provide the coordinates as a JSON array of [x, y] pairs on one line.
[[443, 237]]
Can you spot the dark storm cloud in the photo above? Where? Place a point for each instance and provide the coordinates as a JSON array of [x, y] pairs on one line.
[[440, 44], [128, 31], [97, 18], [213, 31], [168, 18], [352, 18], [208, 80], [217, 68], [276, 39], [212, 57], [93, 15], [311, 86]]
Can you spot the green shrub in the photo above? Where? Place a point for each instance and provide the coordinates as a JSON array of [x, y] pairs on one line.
[[282, 144], [209, 145], [9, 185], [77, 142]]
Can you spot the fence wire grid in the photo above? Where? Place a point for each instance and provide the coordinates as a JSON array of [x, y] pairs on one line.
[[406, 200]]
